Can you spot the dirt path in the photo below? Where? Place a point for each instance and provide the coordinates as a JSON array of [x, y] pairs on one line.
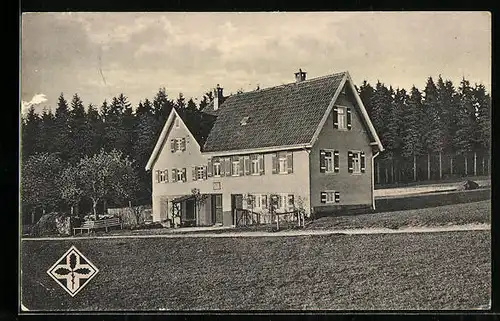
[[451, 228]]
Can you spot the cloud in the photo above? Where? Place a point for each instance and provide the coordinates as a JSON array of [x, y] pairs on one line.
[[36, 100]]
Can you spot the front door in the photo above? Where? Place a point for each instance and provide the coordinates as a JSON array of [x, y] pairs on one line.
[[236, 202], [190, 213], [217, 208]]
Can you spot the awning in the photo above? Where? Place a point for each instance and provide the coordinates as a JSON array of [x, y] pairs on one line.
[[182, 198]]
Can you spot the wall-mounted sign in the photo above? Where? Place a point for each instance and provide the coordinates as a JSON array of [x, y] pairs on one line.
[[217, 185]]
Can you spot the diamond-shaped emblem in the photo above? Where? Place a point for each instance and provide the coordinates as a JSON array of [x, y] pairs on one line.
[[73, 271]]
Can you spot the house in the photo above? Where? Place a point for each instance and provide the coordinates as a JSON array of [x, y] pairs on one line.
[[308, 144]]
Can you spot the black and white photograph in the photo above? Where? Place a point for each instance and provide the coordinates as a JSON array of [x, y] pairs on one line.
[[255, 161]]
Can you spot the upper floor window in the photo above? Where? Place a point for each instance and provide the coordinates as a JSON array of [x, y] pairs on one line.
[[177, 122], [235, 166], [178, 144], [329, 161], [282, 163], [356, 162], [216, 166], [199, 173], [342, 118], [161, 176], [178, 174]]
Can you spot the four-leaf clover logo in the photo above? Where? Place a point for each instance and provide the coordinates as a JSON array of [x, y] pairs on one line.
[[73, 271]]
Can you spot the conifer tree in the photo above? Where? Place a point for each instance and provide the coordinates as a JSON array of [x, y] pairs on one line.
[[465, 140], [30, 130], [483, 103], [77, 130], [62, 139], [191, 105], [412, 143]]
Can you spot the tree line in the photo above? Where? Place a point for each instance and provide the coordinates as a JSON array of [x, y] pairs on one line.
[[58, 149], [436, 133]]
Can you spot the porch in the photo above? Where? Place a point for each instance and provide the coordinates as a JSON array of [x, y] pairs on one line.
[[196, 211]]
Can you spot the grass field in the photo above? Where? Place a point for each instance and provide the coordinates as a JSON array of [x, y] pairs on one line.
[[456, 214], [339, 272]]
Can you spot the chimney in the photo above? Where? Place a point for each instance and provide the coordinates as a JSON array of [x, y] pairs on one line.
[[217, 97], [300, 76]]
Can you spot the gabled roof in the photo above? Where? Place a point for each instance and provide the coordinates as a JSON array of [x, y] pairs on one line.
[[286, 115], [276, 118], [198, 124]]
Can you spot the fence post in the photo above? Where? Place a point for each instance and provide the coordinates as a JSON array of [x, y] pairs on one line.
[[277, 222]]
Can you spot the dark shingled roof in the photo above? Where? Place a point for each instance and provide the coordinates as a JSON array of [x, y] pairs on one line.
[[278, 116], [198, 123]]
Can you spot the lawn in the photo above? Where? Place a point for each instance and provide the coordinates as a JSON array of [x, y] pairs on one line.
[[399, 271], [456, 214]]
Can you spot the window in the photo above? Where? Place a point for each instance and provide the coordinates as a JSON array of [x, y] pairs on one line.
[[282, 163], [235, 166], [200, 172], [329, 161], [356, 168], [178, 144], [356, 162], [259, 201], [341, 118], [161, 176], [216, 166], [329, 197], [177, 123], [181, 174], [254, 170]]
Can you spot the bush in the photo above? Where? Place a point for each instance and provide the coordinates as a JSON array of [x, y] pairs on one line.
[[55, 223]]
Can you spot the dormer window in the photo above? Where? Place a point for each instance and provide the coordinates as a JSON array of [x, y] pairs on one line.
[[244, 121]]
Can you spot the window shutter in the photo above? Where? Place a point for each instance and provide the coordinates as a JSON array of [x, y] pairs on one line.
[[183, 144], [242, 166], [337, 197], [157, 175], [166, 175], [363, 162], [323, 197], [227, 162], [335, 118], [275, 162], [172, 145], [261, 164], [184, 177], [264, 200], [291, 201], [174, 175], [289, 162], [349, 119], [194, 172], [336, 162], [247, 164], [205, 170], [209, 168], [322, 166], [349, 162]]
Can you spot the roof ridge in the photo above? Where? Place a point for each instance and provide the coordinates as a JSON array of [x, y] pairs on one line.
[[291, 83]]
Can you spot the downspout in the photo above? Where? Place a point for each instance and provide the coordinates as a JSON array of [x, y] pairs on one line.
[[373, 179]]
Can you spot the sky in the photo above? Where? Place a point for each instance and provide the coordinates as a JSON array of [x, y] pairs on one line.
[[100, 55]]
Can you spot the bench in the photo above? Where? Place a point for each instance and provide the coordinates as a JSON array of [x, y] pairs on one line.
[[93, 225]]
